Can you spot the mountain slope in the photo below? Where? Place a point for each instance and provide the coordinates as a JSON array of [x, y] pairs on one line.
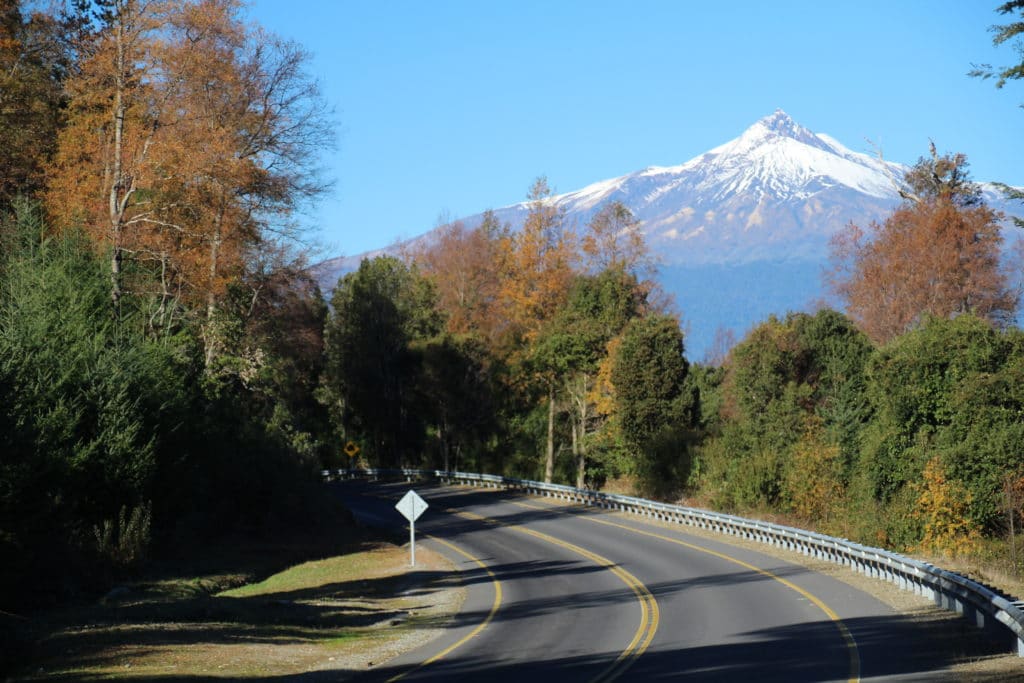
[[778, 191], [769, 201]]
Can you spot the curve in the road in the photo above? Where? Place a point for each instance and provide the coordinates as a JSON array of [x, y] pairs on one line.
[[844, 632], [649, 611], [569, 613]]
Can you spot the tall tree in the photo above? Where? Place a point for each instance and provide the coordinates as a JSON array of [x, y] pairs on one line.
[[572, 345], [539, 262], [538, 269], [937, 254], [1003, 33], [655, 413], [613, 241], [372, 369], [33, 64], [114, 117], [1004, 74], [465, 268], [191, 139], [457, 393]]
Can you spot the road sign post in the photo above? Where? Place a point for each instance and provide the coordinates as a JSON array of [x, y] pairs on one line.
[[411, 506]]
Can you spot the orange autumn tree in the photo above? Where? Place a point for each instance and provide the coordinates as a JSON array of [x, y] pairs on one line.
[[537, 270], [261, 123], [189, 144], [937, 254], [942, 508], [538, 263], [32, 65], [103, 174], [464, 267]]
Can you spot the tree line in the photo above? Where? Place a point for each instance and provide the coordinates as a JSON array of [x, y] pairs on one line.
[[543, 354], [160, 339], [543, 351], [170, 371]]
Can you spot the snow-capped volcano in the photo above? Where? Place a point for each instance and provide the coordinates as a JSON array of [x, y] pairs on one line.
[[780, 158], [742, 230], [777, 191], [775, 157]]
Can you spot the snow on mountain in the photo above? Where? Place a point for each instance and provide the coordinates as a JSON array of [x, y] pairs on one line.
[[769, 199], [778, 191]]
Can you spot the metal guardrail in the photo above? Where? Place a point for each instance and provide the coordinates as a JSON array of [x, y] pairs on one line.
[[977, 603]]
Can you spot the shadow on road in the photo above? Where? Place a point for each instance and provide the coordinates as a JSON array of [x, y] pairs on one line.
[[312, 616], [773, 655]]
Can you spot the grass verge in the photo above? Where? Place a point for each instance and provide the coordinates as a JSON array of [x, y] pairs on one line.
[[248, 609]]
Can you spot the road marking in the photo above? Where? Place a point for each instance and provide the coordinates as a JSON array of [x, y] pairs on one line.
[[650, 614], [476, 631], [851, 644]]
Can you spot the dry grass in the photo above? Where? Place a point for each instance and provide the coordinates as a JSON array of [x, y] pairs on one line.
[[337, 614]]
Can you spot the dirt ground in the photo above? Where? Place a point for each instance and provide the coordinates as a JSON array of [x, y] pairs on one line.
[[337, 615]]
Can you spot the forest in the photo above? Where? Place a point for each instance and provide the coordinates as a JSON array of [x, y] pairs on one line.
[[171, 373]]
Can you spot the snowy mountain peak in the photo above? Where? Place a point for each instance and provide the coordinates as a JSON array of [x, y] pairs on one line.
[[779, 191], [775, 126], [778, 157]]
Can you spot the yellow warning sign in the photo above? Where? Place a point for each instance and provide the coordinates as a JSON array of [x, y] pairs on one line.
[[351, 450]]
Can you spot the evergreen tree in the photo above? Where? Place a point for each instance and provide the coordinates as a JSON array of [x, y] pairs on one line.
[[373, 372], [571, 346], [655, 412], [1004, 74]]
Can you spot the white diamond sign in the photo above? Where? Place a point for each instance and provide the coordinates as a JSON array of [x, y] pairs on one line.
[[411, 506]]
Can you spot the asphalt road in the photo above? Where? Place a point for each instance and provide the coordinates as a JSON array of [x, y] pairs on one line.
[[562, 594]]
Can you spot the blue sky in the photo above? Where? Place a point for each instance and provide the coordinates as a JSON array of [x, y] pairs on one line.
[[449, 108]]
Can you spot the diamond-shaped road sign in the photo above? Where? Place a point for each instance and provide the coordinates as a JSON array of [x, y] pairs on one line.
[[411, 506]]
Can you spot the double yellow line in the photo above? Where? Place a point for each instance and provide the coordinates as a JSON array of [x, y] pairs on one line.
[[853, 652], [650, 616], [649, 613]]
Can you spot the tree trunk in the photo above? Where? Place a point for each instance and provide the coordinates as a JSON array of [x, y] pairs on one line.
[[578, 397], [549, 461], [580, 448], [210, 338], [117, 176], [443, 435]]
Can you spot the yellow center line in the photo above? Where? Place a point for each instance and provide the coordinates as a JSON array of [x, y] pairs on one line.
[[649, 612], [476, 631], [650, 615], [844, 632]]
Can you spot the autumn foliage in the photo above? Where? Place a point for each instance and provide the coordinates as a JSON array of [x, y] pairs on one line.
[[188, 144], [938, 254], [941, 507], [538, 263], [169, 366], [161, 341], [463, 265]]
